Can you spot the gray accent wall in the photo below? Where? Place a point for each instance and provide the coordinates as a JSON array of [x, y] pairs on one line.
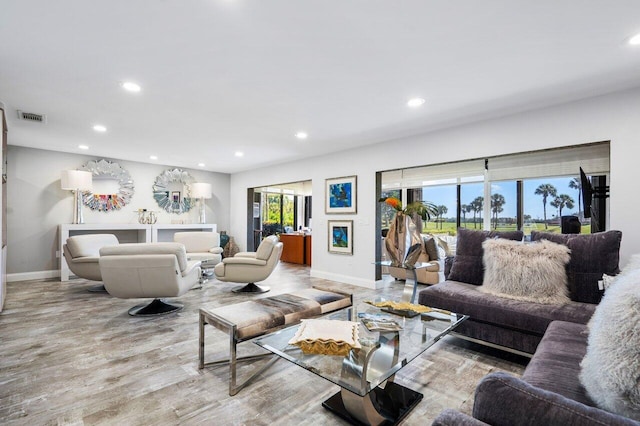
[[36, 204]]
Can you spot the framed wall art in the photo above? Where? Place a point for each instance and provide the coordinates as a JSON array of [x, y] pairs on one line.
[[341, 195], [341, 236]]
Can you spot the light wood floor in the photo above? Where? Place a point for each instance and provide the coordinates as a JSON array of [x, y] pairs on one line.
[[70, 357]]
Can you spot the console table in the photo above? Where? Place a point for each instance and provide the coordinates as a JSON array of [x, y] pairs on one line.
[[126, 233], [163, 232]]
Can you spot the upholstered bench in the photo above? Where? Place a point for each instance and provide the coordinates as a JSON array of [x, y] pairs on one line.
[[246, 320]]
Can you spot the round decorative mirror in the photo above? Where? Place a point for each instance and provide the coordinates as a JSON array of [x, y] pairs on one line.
[[172, 191], [112, 186]]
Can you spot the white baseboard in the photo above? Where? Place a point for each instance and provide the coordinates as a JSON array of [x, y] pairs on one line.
[[346, 279], [38, 275]]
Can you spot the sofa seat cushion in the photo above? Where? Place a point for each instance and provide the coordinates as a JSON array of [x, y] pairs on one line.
[[556, 364], [502, 399], [466, 299]]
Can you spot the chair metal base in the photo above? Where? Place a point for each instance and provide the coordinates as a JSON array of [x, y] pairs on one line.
[[156, 307], [98, 289], [251, 288]]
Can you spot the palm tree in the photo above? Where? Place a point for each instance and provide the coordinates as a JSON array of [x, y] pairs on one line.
[[563, 200], [577, 185], [464, 209], [477, 205], [497, 201], [546, 189], [555, 203], [442, 210]]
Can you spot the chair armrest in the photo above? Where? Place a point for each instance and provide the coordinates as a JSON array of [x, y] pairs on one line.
[[216, 250], [502, 399], [243, 261], [191, 265], [245, 254]]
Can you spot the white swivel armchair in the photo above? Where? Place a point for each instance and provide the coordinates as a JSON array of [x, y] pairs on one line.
[[154, 270], [249, 267], [82, 253]]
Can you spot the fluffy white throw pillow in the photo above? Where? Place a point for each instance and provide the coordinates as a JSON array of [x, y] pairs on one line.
[[531, 272], [611, 368]]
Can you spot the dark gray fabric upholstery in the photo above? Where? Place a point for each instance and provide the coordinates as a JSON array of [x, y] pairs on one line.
[[556, 364], [521, 340], [503, 400], [448, 262], [451, 417], [506, 322], [466, 299], [467, 264], [591, 256], [431, 247]]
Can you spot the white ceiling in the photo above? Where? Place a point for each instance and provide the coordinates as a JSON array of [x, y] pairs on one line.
[[220, 76]]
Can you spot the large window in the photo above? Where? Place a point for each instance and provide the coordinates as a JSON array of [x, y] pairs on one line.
[[504, 206], [388, 212], [546, 200], [471, 205], [445, 198], [527, 191]]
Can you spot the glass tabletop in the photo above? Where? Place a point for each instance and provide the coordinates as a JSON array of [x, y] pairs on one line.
[[417, 265], [383, 351]]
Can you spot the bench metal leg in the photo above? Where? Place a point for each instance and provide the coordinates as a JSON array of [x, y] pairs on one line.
[[234, 386]]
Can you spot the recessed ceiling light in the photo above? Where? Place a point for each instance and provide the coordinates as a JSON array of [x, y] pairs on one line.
[[201, 164], [415, 102], [83, 146], [239, 154], [635, 40], [99, 128], [301, 135], [153, 157], [131, 86]]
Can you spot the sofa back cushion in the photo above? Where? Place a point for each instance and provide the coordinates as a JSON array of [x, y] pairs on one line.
[[592, 255], [531, 272], [467, 265], [611, 367]]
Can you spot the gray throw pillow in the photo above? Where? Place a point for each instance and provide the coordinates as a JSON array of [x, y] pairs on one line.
[[591, 256], [611, 367], [431, 246], [467, 265], [531, 272]]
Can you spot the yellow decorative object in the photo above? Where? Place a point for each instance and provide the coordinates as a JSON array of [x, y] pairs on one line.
[[326, 337], [406, 306]]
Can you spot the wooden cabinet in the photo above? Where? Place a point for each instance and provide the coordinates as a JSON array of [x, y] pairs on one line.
[[296, 248]]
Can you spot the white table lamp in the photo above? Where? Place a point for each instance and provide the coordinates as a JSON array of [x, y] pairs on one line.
[[201, 191], [76, 181]]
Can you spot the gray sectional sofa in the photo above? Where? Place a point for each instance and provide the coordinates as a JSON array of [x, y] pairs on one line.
[[515, 324], [549, 392]]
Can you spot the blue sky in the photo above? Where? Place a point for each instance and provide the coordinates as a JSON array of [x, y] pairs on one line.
[[446, 195]]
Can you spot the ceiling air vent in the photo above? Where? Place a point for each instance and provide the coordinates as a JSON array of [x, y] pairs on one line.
[[30, 116]]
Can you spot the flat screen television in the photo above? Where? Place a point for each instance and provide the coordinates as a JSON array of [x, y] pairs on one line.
[[586, 193]]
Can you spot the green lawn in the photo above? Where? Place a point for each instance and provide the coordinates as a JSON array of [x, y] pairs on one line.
[[450, 228]]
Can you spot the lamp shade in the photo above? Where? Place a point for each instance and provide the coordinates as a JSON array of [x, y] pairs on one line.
[[76, 179], [201, 190]]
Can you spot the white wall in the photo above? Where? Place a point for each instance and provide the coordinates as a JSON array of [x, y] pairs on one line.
[[613, 117], [36, 205]]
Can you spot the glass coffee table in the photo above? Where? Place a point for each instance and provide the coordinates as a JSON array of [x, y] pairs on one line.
[[368, 393]]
